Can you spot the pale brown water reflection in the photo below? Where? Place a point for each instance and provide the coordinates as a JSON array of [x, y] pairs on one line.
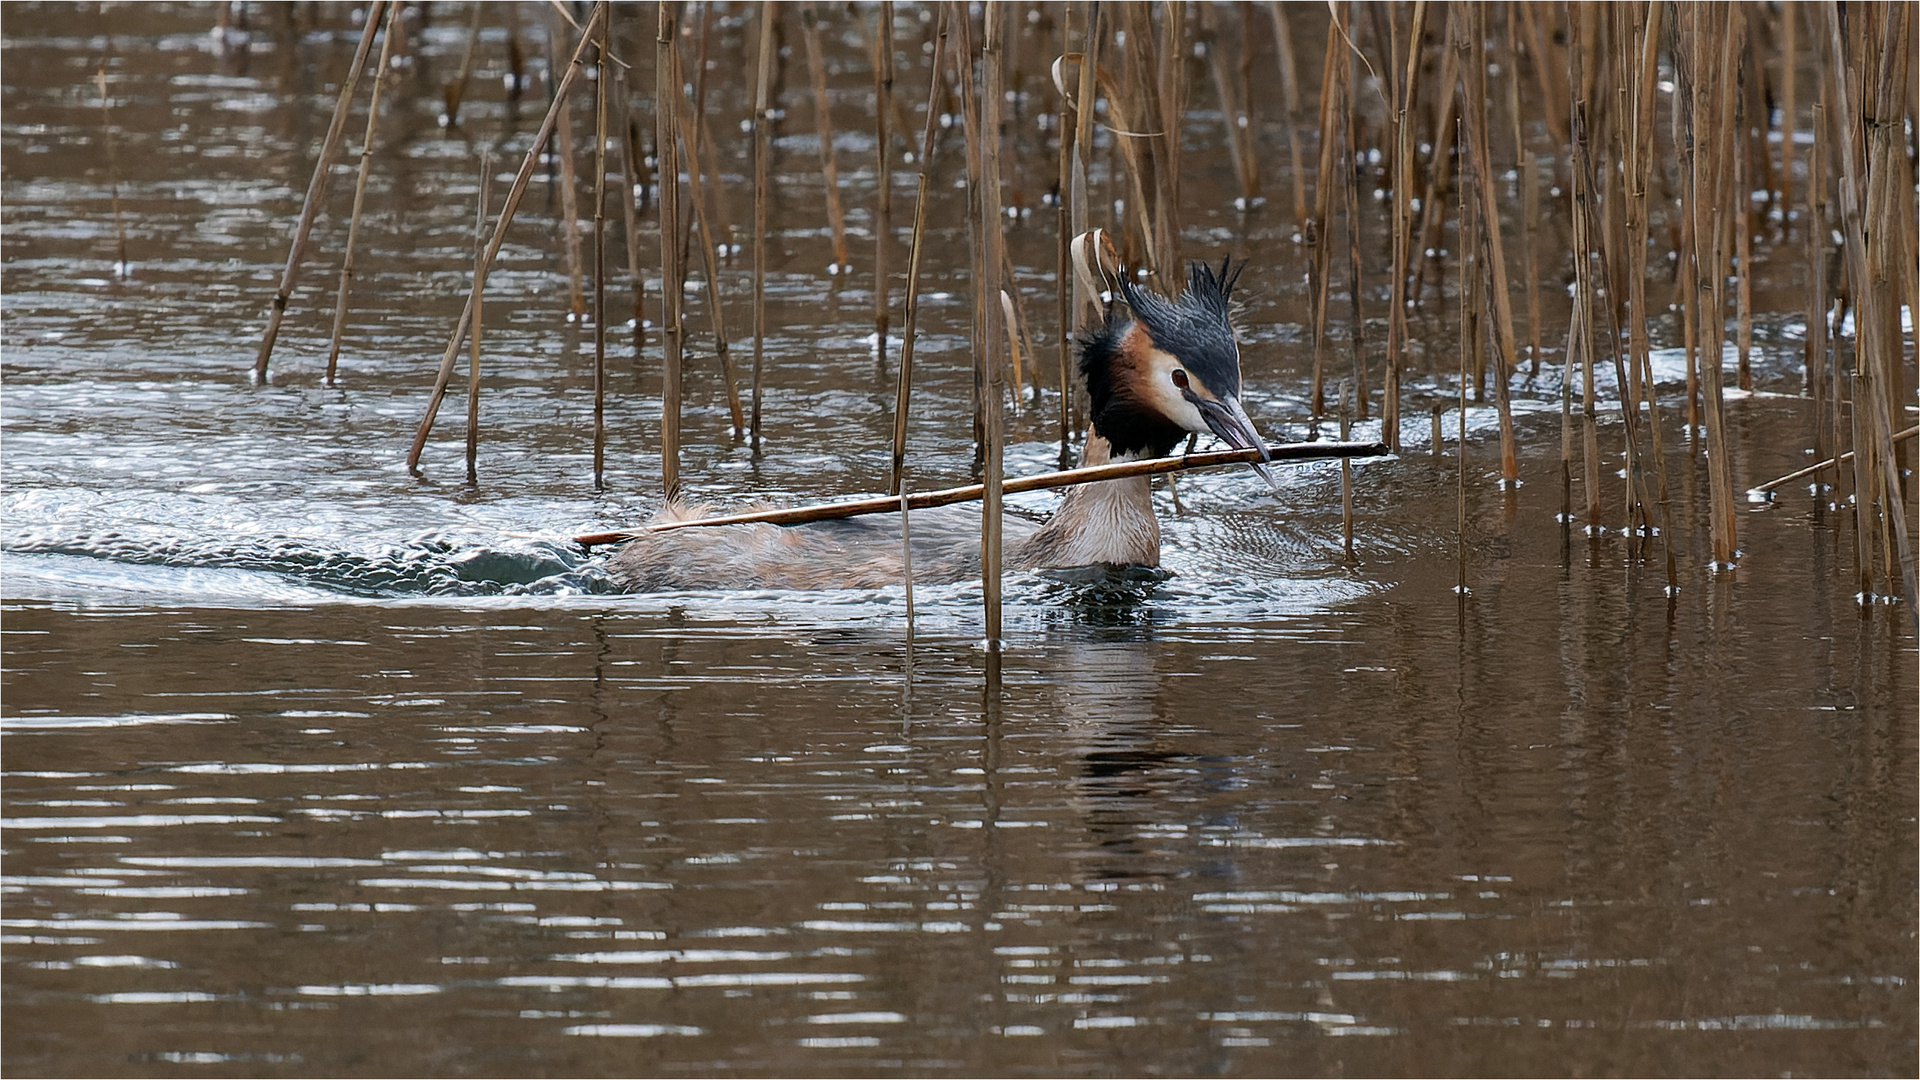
[[312, 768]]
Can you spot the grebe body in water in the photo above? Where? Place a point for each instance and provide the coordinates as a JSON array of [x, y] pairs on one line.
[[1156, 372]]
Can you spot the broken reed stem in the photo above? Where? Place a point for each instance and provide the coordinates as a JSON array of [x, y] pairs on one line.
[[603, 74], [904, 386], [316, 191], [1820, 466], [453, 93], [473, 330], [512, 204], [569, 197], [762, 148], [672, 274], [883, 197], [924, 500], [990, 98], [360, 195], [823, 124]]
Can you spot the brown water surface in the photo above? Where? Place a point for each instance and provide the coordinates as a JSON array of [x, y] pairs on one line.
[[311, 767]]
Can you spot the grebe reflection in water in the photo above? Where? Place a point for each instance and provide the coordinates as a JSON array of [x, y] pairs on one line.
[[1156, 372]]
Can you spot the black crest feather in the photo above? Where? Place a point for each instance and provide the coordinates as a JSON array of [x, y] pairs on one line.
[[1193, 327]]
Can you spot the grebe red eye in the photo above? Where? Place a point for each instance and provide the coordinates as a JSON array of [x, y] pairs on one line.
[[1179, 378]]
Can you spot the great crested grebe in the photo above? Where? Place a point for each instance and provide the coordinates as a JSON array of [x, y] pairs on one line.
[[1155, 373]]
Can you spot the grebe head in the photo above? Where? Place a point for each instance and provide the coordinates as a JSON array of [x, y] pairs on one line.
[[1170, 368]]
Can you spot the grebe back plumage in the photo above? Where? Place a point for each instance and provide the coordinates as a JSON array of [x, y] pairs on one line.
[[1157, 372]]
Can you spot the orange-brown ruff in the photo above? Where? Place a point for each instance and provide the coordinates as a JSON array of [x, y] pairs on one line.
[[1157, 371]]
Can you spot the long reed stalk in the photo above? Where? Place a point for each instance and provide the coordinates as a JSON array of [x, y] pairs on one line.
[[1063, 257], [1470, 35], [990, 98], [883, 195], [562, 149], [360, 195], [762, 150], [903, 390], [604, 72], [316, 191], [1316, 234], [507, 210], [1402, 221], [473, 332], [1350, 186], [925, 500], [672, 274]]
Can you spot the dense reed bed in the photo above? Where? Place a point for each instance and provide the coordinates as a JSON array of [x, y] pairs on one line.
[[1628, 153]]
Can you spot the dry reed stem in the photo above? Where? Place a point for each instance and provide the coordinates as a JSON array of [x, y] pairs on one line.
[[1825, 464], [629, 214], [1469, 37], [507, 210], [823, 124], [1877, 474], [904, 385], [762, 149], [672, 274], [1403, 90], [569, 196], [1350, 186], [1709, 192], [990, 98], [1063, 233], [604, 73], [970, 117], [1315, 233], [1826, 427], [1433, 204], [883, 196], [923, 500], [359, 197], [1078, 194], [316, 192], [473, 331]]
